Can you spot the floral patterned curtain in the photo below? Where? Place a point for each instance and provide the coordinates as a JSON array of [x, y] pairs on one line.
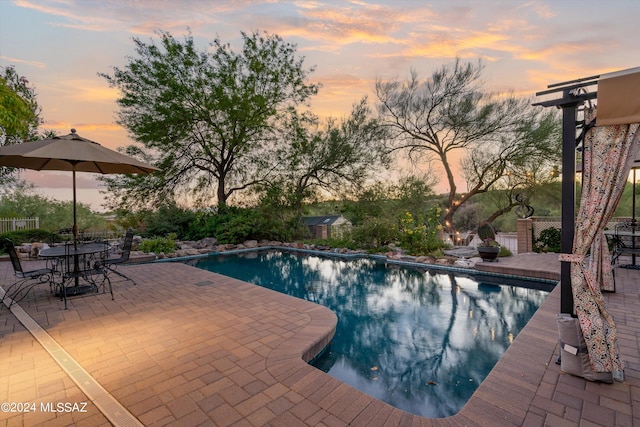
[[608, 154]]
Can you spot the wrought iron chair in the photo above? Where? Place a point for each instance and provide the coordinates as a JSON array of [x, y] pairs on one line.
[[625, 241], [125, 251], [27, 280]]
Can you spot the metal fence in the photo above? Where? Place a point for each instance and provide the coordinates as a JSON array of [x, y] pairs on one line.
[[15, 224]]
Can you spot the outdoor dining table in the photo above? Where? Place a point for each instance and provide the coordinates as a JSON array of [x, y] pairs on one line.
[[77, 261]]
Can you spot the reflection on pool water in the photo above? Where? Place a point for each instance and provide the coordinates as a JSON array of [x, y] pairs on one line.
[[420, 341]]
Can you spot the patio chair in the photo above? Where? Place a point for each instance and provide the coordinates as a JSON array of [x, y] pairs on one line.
[[624, 241], [27, 280], [125, 251]]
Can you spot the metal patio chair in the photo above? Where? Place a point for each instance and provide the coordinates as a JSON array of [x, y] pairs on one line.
[[27, 280], [625, 241], [125, 251]]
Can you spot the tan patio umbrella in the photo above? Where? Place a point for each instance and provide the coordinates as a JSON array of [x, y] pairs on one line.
[[71, 153]]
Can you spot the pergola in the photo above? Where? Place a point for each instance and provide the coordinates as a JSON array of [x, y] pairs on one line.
[[609, 135], [621, 102]]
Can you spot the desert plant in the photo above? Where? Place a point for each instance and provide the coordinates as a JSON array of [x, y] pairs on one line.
[[485, 231], [487, 235]]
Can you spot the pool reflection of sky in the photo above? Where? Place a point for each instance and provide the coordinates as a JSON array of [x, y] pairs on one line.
[[420, 341]]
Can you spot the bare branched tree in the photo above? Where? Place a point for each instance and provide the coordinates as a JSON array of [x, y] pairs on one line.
[[450, 112]]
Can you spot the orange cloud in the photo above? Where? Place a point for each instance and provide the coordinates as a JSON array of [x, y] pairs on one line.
[[11, 60], [62, 128], [555, 50]]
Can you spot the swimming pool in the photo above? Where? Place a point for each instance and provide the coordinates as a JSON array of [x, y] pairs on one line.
[[419, 340]]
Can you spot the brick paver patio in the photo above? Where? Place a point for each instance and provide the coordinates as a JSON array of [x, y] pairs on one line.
[[188, 347]]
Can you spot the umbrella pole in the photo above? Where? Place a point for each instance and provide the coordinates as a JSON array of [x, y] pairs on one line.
[[633, 198], [76, 260], [75, 222]]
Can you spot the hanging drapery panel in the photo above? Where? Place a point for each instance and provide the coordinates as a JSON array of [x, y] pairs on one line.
[[619, 98], [608, 154]]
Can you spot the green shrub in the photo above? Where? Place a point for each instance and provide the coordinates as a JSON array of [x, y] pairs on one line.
[[550, 240], [168, 219], [158, 244], [420, 234], [337, 242], [235, 225], [504, 252], [375, 232]]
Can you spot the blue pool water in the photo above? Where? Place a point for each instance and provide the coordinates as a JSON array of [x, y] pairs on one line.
[[419, 340]]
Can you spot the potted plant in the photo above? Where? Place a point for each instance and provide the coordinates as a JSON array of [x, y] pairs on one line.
[[488, 248]]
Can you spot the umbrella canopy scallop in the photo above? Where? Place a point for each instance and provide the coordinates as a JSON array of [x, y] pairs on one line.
[[70, 153]]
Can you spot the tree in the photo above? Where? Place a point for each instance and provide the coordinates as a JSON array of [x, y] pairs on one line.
[[517, 162], [22, 200], [335, 158], [19, 114], [449, 112], [19, 110], [207, 118]]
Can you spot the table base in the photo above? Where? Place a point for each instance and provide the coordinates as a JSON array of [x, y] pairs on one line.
[[78, 290]]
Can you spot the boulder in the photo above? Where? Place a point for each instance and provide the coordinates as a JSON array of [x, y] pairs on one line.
[[425, 259], [187, 252], [186, 245], [208, 242], [250, 244]]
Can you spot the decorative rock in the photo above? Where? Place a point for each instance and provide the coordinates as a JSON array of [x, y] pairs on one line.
[[187, 252], [425, 259], [209, 242], [250, 244], [186, 245], [466, 263]]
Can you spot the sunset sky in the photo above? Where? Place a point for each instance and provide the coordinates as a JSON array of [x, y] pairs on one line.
[[61, 45]]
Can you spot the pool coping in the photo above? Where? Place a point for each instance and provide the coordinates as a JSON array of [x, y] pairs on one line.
[[549, 279]]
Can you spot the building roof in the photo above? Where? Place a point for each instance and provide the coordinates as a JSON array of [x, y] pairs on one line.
[[321, 220]]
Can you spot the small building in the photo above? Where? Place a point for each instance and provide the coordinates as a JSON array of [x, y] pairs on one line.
[[326, 226]]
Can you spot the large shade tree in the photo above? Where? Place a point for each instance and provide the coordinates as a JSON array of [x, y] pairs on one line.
[[515, 163], [208, 118], [331, 157], [19, 114], [449, 112]]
